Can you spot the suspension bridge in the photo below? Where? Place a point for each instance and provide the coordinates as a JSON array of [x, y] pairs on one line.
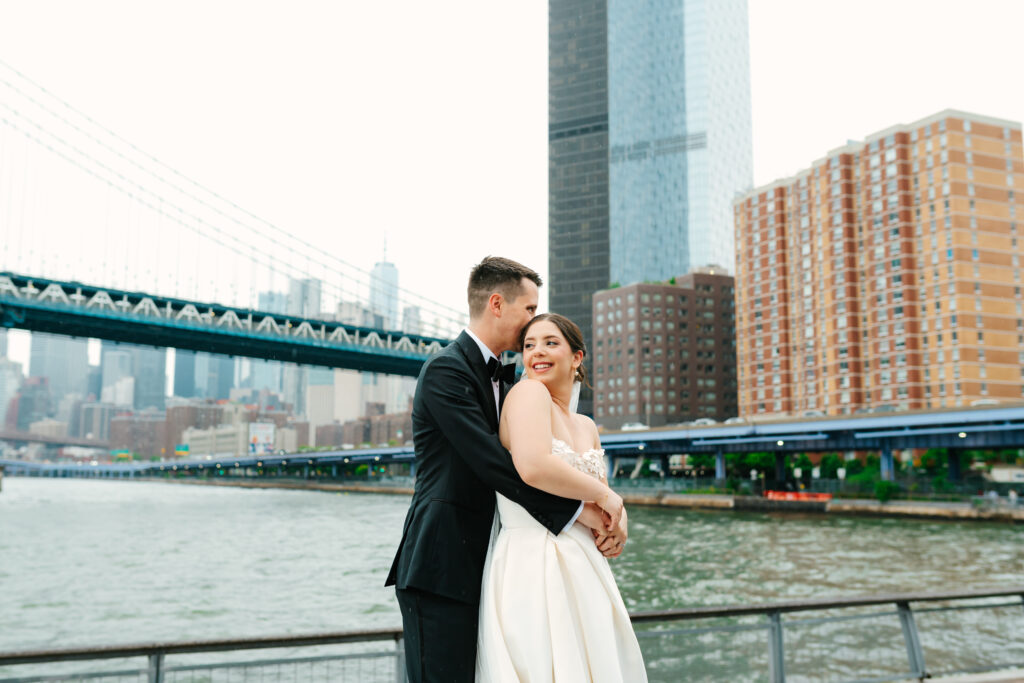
[[85, 209]]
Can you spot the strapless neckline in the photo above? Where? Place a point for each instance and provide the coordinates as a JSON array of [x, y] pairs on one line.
[[569, 448], [590, 461]]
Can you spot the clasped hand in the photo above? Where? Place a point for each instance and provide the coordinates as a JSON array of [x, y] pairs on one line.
[[610, 540]]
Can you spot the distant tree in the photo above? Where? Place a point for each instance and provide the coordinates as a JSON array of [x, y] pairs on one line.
[[830, 464], [701, 461]]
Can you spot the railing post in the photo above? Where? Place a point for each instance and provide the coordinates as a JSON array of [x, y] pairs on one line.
[[156, 668], [776, 653], [915, 655], [400, 676]]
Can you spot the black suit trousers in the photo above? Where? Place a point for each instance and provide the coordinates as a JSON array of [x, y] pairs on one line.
[[440, 637]]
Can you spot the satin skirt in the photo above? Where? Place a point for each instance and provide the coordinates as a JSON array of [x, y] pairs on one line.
[[550, 610]]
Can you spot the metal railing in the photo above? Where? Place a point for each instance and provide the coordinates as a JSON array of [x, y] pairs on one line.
[[846, 639]]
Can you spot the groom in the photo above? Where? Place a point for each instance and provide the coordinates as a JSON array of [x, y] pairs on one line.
[[460, 463]]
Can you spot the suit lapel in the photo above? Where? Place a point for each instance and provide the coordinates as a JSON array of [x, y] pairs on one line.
[[485, 390]]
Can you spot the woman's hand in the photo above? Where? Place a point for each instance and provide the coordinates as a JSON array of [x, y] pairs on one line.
[[612, 544], [611, 503], [594, 518]]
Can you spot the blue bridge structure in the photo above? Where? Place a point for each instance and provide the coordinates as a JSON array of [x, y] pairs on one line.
[[80, 310], [954, 429]]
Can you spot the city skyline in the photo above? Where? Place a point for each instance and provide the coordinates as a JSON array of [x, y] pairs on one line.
[[214, 142]]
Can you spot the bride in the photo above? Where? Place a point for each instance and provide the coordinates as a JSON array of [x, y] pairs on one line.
[[549, 607]]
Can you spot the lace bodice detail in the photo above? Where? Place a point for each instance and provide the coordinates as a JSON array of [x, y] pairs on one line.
[[590, 461]]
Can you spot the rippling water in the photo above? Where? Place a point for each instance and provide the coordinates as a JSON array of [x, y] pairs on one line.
[[103, 562]]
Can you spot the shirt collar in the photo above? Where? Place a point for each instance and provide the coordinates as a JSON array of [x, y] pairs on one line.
[[486, 352]]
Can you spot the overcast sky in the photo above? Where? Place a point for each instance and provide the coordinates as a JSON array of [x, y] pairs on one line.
[[345, 122]]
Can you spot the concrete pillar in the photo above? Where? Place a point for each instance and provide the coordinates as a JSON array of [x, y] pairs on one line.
[[953, 459], [887, 465], [412, 469], [305, 471], [611, 463], [780, 466], [720, 465], [334, 471], [663, 459]]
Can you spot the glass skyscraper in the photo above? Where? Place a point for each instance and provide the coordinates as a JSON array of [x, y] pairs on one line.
[[577, 156], [649, 141]]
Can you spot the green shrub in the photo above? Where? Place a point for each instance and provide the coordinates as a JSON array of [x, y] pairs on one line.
[[886, 490], [830, 463]]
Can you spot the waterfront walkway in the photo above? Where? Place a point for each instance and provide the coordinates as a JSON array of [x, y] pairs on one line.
[[657, 498]]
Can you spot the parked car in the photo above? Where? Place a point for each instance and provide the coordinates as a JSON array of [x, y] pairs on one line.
[[704, 421], [984, 402], [634, 427], [735, 421]]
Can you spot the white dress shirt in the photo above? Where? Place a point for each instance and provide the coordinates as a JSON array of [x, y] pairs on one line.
[[488, 355]]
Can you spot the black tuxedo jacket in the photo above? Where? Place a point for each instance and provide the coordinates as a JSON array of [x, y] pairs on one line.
[[460, 463]]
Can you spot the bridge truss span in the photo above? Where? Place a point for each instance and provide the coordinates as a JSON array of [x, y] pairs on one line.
[[79, 310]]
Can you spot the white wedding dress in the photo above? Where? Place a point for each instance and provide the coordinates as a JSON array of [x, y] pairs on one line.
[[549, 607]]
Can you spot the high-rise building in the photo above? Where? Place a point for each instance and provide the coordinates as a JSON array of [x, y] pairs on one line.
[[183, 414], [117, 384], [184, 373], [95, 420], [133, 376], [64, 360], [94, 382], [10, 382], [384, 293], [887, 275], [149, 368], [266, 374], [303, 301], [33, 403], [665, 352], [649, 140], [214, 376], [353, 390], [273, 302], [411, 320], [578, 238], [304, 297], [143, 434]]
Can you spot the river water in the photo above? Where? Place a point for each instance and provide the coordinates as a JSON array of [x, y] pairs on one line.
[[89, 562]]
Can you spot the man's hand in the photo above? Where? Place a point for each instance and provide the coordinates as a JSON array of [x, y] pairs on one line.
[[612, 543]]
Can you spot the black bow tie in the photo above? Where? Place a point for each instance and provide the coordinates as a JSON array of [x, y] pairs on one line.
[[499, 372]]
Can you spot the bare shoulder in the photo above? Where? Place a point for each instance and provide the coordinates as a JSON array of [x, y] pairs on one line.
[[528, 391], [585, 423]]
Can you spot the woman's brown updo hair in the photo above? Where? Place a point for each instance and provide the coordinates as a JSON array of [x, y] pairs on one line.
[[571, 332]]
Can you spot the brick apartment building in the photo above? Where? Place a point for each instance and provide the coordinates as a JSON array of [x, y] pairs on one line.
[[665, 352], [887, 275]]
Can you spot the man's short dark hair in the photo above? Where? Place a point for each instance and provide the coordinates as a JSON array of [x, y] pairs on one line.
[[497, 274]]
